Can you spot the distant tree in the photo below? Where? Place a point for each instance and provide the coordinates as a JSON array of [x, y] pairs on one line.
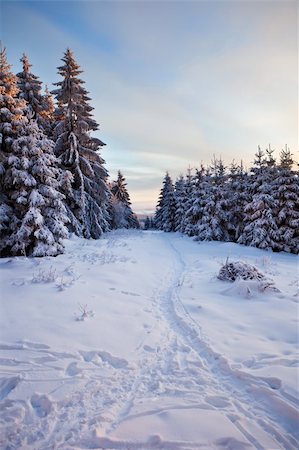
[[147, 223], [122, 214], [86, 190], [165, 212]]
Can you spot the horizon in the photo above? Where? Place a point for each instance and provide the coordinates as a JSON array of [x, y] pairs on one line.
[[171, 83]]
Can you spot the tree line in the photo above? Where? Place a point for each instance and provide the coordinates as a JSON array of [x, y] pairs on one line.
[[258, 207], [53, 179]]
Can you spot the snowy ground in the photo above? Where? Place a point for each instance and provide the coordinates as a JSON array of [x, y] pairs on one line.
[[169, 356]]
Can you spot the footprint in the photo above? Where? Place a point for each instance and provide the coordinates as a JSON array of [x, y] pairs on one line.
[[274, 383], [217, 401], [72, 369], [41, 404], [130, 293], [7, 385], [114, 361], [147, 348]]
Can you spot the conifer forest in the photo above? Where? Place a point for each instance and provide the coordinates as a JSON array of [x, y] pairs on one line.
[[53, 177], [54, 180]]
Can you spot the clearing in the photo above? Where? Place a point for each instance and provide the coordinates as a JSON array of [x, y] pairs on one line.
[[131, 342]]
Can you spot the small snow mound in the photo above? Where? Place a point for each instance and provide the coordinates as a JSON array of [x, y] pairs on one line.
[[250, 289], [232, 271]]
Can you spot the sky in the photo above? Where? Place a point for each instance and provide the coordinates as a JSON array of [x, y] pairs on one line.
[[172, 83]]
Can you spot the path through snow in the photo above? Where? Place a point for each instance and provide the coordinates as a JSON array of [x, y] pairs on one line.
[[143, 372]]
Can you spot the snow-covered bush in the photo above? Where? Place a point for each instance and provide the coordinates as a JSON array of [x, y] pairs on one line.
[[232, 271], [247, 277]]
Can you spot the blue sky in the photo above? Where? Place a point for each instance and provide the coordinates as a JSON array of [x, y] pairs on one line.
[[172, 82]]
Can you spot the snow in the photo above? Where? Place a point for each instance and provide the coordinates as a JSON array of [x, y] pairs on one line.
[[132, 342]]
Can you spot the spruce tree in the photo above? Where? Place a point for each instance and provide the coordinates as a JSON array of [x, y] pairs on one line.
[[11, 116], [187, 201], [165, 212], [30, 89], [214, 223], [193, 215], [179, 195], [37, 226], [147, 223], [260, 223], [122, 214], [286, 189], [47, 114], [237, 194], [87, 193]]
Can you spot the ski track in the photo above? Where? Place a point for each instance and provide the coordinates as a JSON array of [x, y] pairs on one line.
[[104, 391]]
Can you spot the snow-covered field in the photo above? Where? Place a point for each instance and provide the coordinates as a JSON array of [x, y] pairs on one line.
[[167, 355]]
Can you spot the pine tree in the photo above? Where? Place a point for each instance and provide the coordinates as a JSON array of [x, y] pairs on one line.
[[37, 226], [122, 214], [47, 114], [187, 201], [193, 215], [147, 223], [179, 195], [87, 193], [11, 116], [286, 189], [214, 224], [30, 89], [237, 193], [165, 212], [260, 224]]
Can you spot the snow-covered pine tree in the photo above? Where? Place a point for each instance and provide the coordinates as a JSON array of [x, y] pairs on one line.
[[47, 114], [30, 89], [122, 214], [193, 215], [286, 191], [237, 194], [147, 223], [179, 195], [187, 200], [11, 116], [214, 223], [260, 221], [165, 211], [87, 193], [37, 226]]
